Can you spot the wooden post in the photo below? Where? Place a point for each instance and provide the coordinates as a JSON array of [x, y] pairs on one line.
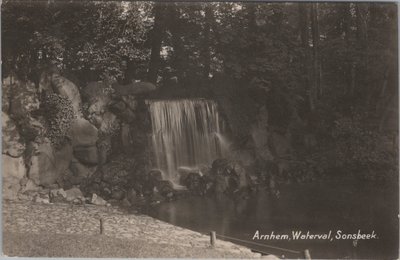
[[213, 236], [101, 226], [307, 255]]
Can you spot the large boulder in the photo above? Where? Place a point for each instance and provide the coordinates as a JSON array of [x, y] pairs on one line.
[[134, 88], [52, 81], [87, 154], [79, 171], [12, 143], [13, 172], [131, 102], [83, 133], [73, 193], [48, 164]]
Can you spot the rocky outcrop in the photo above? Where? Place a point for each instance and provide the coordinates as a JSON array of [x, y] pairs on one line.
[[12, 142], [79, 171], [83, 133], [51, 81], [87, 155], [13, 172], [135, 88], [56, 150], [47, 164]]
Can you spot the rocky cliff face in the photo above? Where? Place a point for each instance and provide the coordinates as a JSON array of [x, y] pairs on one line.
[[58, 135]]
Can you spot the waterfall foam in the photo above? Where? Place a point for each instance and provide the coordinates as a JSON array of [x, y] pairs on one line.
[[185, 132]]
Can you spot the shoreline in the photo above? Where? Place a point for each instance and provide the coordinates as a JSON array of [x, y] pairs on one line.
[[83, 221]]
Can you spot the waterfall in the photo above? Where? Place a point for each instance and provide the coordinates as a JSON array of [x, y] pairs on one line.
[[185, 133]]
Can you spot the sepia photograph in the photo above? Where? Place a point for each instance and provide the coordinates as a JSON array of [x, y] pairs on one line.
[[200, 129]]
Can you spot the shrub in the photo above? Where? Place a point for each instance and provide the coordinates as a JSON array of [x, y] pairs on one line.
[[59, 114]]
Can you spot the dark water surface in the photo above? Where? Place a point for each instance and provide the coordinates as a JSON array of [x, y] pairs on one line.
[[317, 208]]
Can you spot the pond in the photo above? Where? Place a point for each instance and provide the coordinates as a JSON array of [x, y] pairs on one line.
[[317, 208]]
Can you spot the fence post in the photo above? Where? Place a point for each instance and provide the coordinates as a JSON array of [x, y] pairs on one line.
[[101, 226], [307, 255], [213, 236]]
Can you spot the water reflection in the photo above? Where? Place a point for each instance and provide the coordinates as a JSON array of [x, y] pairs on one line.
[[318, 208]]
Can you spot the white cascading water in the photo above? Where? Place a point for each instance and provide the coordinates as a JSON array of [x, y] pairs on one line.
[[185, 133]]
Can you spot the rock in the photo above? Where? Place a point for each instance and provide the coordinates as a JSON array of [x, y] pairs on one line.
[[12, 143], [126, 203], [131, 102], [117, 194], [31, 128], [96, 200], [118, 106], [87, 154], [47, 165], [127, 116], [29, 187], [57, 196], [104, 149], [24, 99], [219, 166], [194, 182], [13, 171], [165, 189], [135, 88], [66, 88], [42, 199], [155, 175], [272, 257], [73, 194], [98, 95], [25, 197], [131, 196], [24, 181], [79, 171], [83, 133], [109, 123], [126, 139]]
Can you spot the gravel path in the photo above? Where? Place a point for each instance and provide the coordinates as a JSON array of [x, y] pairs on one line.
[[66, 219]]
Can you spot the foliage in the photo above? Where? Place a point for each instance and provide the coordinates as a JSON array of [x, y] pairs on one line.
[[89, 39], [59, 113], [322, 70], [360, 148]]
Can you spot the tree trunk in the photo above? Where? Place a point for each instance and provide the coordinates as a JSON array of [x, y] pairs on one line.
[[206, 53], [178, 49], [362, 44], [317, 90], [156, 36], [304, 39], [349, 72], [303, 24]]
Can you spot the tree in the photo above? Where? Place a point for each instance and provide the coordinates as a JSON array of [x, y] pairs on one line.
[[157, 34]]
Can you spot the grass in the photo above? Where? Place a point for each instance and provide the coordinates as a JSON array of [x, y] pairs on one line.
[[74, 245]]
